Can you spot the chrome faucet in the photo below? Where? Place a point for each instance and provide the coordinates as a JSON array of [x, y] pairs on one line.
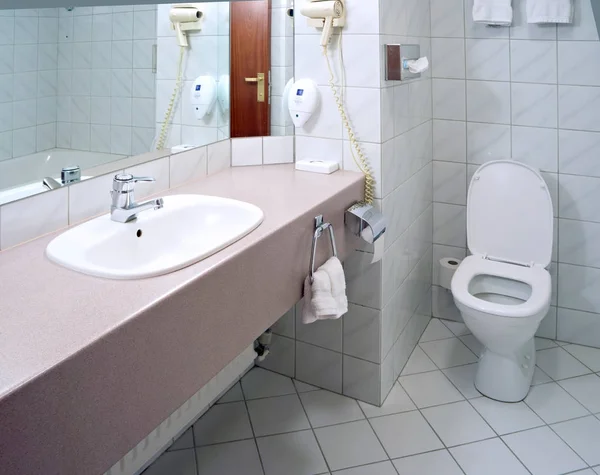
[[124, 208], [68, 175]]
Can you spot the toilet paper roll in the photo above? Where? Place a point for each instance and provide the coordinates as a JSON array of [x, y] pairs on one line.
[[448, 267], [378, 246]]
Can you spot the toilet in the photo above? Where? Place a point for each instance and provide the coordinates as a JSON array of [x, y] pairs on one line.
[[503, 288]]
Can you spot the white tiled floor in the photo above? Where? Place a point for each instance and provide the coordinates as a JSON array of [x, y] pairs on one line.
[[433, 423]]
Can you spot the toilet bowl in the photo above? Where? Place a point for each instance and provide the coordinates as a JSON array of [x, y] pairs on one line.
[[503, 289]]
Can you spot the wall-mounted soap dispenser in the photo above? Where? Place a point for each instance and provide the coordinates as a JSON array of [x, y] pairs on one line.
[[303, 101], [203, 96]]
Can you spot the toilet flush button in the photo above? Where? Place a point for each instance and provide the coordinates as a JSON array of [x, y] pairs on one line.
[[525, 366], [527, 357]]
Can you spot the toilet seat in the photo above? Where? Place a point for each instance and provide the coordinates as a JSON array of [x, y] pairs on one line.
[[509, 214], [509, 232], [535, 276]]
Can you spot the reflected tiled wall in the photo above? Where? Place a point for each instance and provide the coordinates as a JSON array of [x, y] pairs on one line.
[[106, 86], [282, 65], [207, 55], [32, 217], [362, 354], [28, 64], [530, 92]]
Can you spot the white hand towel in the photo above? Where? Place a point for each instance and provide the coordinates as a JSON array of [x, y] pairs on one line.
[[308, 313], [319, 303], [325, 297], [549, 11], [333, 268], [323, 302], [493, 12]]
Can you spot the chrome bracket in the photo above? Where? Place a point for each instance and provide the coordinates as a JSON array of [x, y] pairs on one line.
[[320, 228]]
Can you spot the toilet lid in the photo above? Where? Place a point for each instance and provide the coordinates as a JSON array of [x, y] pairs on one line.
[[509, 214]]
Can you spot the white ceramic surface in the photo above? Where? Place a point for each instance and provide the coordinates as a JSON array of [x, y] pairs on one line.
[[186, 230], [503, 290]]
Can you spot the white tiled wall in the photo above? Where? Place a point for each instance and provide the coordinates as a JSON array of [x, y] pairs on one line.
[[207, 55], [406, 190], [27, 219], [262, 151], [28, 64], [362, 354], [529, 92], [105, 84], [282, 65]]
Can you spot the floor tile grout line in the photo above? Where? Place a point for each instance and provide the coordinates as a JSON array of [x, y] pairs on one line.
[[262, 465], [566, 390], [567, 444], [500, 437], [557, 422], [434, 431], [443, 339], [194, 448], [298, 394], [457, 336], [313, 429], [490, 426], [483, 418], [544, 423], [425, 418], [568, 352], [376, 435], [417, 408], [467, 364]]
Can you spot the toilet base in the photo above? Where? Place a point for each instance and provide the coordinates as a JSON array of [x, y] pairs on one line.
[[506, 378]]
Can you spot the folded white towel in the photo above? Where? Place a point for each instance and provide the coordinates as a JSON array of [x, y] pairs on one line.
[[333, 268], [493, 12], [549, 11], [308, 312], [325, 297]]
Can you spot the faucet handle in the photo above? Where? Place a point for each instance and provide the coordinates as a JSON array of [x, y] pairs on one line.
[[123, 182], [144, 179]]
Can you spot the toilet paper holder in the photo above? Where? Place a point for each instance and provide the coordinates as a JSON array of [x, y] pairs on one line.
[[397, 61], [364, 217]]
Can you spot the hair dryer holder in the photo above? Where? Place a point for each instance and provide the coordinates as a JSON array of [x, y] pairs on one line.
[[185, 18], [320, 22]]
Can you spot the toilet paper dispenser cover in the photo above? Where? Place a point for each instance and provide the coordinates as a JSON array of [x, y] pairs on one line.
[[362, 217]]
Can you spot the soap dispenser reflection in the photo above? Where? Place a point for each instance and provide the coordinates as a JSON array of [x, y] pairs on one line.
[[203, 96]]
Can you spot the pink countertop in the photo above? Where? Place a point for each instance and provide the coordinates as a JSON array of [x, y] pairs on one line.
[[89, 366]]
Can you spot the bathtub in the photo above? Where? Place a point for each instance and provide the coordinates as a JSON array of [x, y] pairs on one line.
[[22, 177]]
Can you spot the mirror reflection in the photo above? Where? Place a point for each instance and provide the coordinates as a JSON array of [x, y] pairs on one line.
[[83, 88]]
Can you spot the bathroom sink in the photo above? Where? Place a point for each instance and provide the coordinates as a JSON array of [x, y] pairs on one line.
[[186, 230]]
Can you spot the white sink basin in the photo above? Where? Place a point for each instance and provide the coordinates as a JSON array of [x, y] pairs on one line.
[[186, 230]]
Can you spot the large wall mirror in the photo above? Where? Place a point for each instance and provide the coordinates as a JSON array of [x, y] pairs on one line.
[[87, 87]]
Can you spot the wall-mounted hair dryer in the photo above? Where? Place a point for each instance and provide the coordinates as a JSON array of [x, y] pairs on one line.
[[326, 14], [184, 18]]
